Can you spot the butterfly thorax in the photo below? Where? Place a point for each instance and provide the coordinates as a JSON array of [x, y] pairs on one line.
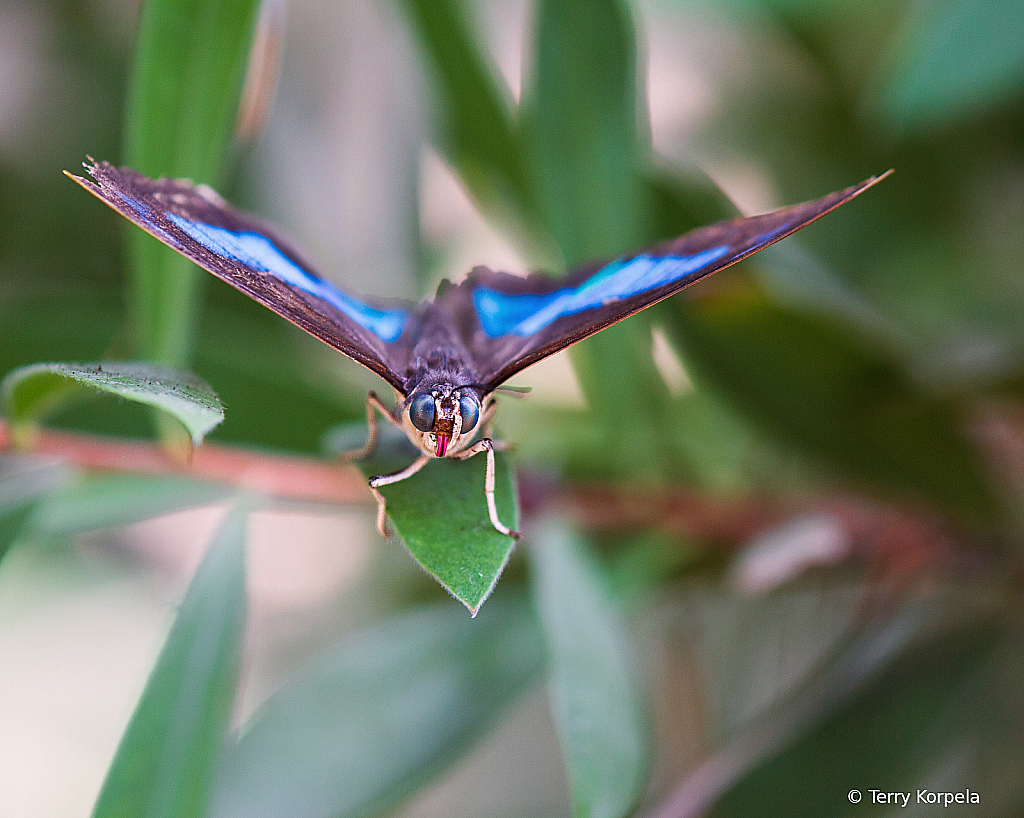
[[439, 354], [443, 398]]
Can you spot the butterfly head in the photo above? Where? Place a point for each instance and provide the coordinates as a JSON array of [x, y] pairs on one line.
[[441, 420]]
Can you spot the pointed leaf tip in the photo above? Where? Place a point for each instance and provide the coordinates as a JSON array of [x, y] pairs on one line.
[[440, 513]]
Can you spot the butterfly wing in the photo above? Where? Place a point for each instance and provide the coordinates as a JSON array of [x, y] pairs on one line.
[[514, 322], [246, 253]]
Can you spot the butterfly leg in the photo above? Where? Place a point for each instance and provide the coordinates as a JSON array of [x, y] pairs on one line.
[[388, 479], [487, 445], [372, 403]]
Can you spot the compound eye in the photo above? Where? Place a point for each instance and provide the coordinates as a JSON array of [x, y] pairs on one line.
[[470, 409], [422, 411]]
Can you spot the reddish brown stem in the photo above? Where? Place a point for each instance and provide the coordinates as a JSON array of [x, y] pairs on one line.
[[881, 533], [288, 476]]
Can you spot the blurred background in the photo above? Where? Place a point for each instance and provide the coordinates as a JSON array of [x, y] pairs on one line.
[[810, 515]]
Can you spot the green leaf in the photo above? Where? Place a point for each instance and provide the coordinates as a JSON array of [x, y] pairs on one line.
[[105, 501], [14, 510], [956, 58], [24, 483], [823, 390], [477, 131], [615, 369], [29, 393], [376, 717], [165, 764], [596, 698], [441, 516], [185, 84], [581, 116], [581, 107]]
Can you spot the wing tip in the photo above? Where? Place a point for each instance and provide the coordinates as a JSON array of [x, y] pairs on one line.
[[82, 181], [841, 197], [874, 180]]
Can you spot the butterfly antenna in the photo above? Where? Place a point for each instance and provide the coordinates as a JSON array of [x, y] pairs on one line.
[[514, 391]]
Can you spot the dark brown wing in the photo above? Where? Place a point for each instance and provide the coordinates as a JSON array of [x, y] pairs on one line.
[[510, 322], [250, 256]]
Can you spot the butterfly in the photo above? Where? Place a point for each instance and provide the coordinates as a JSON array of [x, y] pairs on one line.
[[445, 358]]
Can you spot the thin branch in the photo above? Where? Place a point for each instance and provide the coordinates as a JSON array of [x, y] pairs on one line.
[[889, 538], [288, 476]]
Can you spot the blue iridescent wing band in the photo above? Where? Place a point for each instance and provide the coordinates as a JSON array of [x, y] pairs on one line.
[[518, 321], [247, 254]]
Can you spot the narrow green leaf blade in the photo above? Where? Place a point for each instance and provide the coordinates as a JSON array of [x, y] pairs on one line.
[[596, 697], [24, 485], [95, 501], [441, 516], [615, 368], [477, 130], [30, 392], [369, 721], [14, 511], [582, 114], [186, 80], [165, 764]]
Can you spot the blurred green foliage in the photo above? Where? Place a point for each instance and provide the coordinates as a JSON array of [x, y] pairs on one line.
[[167, 758], [877, 353], [369, 720]]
